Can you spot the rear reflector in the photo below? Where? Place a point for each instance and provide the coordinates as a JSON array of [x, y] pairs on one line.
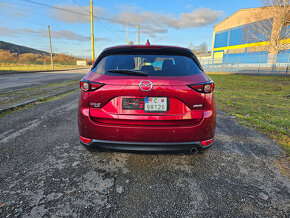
[[85, 140], [207, 142]]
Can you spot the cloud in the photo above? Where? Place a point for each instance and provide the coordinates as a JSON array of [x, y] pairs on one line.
[[65, 34], [75, 14], [189, 6], [14, 10], [12, 32], [152, 23], [197, 18], [69, 35], [61, 34], [156, 23], [152, 31]]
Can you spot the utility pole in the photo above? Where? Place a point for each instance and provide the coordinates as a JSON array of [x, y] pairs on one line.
[[92, 33], [127, 35], [139, 26], [51, 59]]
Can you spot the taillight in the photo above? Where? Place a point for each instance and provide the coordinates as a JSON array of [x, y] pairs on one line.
[[86, 85], [206, 142], [85, 140], [206, 87]]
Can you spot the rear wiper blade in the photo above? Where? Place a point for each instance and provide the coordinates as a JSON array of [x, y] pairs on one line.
[[129, 72]]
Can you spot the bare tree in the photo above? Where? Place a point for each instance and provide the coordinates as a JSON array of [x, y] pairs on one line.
[[190, 46], [203, 48], [275, 29], [200, 49]]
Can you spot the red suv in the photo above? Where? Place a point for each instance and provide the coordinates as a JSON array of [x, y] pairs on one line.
[[147, 98]]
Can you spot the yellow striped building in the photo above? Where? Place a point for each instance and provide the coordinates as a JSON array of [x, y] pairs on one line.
[[242, 37]]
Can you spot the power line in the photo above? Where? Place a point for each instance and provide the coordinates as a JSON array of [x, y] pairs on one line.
[[94, 17], [58, 8], [54, 7], [25, 20], [13, 17], [80, 5], [97, 18], [72, 11]]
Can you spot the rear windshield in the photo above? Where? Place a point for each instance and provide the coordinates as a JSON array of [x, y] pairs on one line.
[[153, 65]]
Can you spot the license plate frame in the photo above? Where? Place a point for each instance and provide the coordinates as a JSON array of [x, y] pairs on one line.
[[156, 104], [138, 103]]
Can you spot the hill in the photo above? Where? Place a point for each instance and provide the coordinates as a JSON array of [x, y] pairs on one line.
[[12, 53], [19, 49]]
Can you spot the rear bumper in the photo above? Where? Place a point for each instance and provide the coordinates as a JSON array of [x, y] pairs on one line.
[[144, 146], [147, 137]]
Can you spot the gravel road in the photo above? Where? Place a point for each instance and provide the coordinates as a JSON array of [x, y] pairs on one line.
[[46, 172]]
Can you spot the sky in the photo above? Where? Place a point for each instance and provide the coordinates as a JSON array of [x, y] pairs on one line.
[[163, 22]]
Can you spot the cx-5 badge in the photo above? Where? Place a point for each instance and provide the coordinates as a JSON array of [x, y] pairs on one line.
[[145, 85]]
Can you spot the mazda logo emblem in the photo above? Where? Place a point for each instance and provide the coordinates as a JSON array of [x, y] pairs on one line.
[[145, 85]]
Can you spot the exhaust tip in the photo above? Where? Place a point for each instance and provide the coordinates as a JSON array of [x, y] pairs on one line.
[[193, 150]]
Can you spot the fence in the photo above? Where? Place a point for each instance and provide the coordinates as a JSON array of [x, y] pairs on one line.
[[248, 64], [34, 67]]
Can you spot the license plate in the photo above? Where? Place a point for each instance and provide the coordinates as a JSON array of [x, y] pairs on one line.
[[133, 103], [155, 104]]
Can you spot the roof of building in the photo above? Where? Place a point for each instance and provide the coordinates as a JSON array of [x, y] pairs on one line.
[[244, 16]]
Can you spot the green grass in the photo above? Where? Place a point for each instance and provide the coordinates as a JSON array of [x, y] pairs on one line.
[[53, 98], [15, 109], [261, 102]]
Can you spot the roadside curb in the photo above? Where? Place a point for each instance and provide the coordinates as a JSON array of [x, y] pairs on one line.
[[40, 71], [34, 100]]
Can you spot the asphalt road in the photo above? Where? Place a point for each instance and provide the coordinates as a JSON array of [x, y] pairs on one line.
[[9, 82], [46, 172]]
